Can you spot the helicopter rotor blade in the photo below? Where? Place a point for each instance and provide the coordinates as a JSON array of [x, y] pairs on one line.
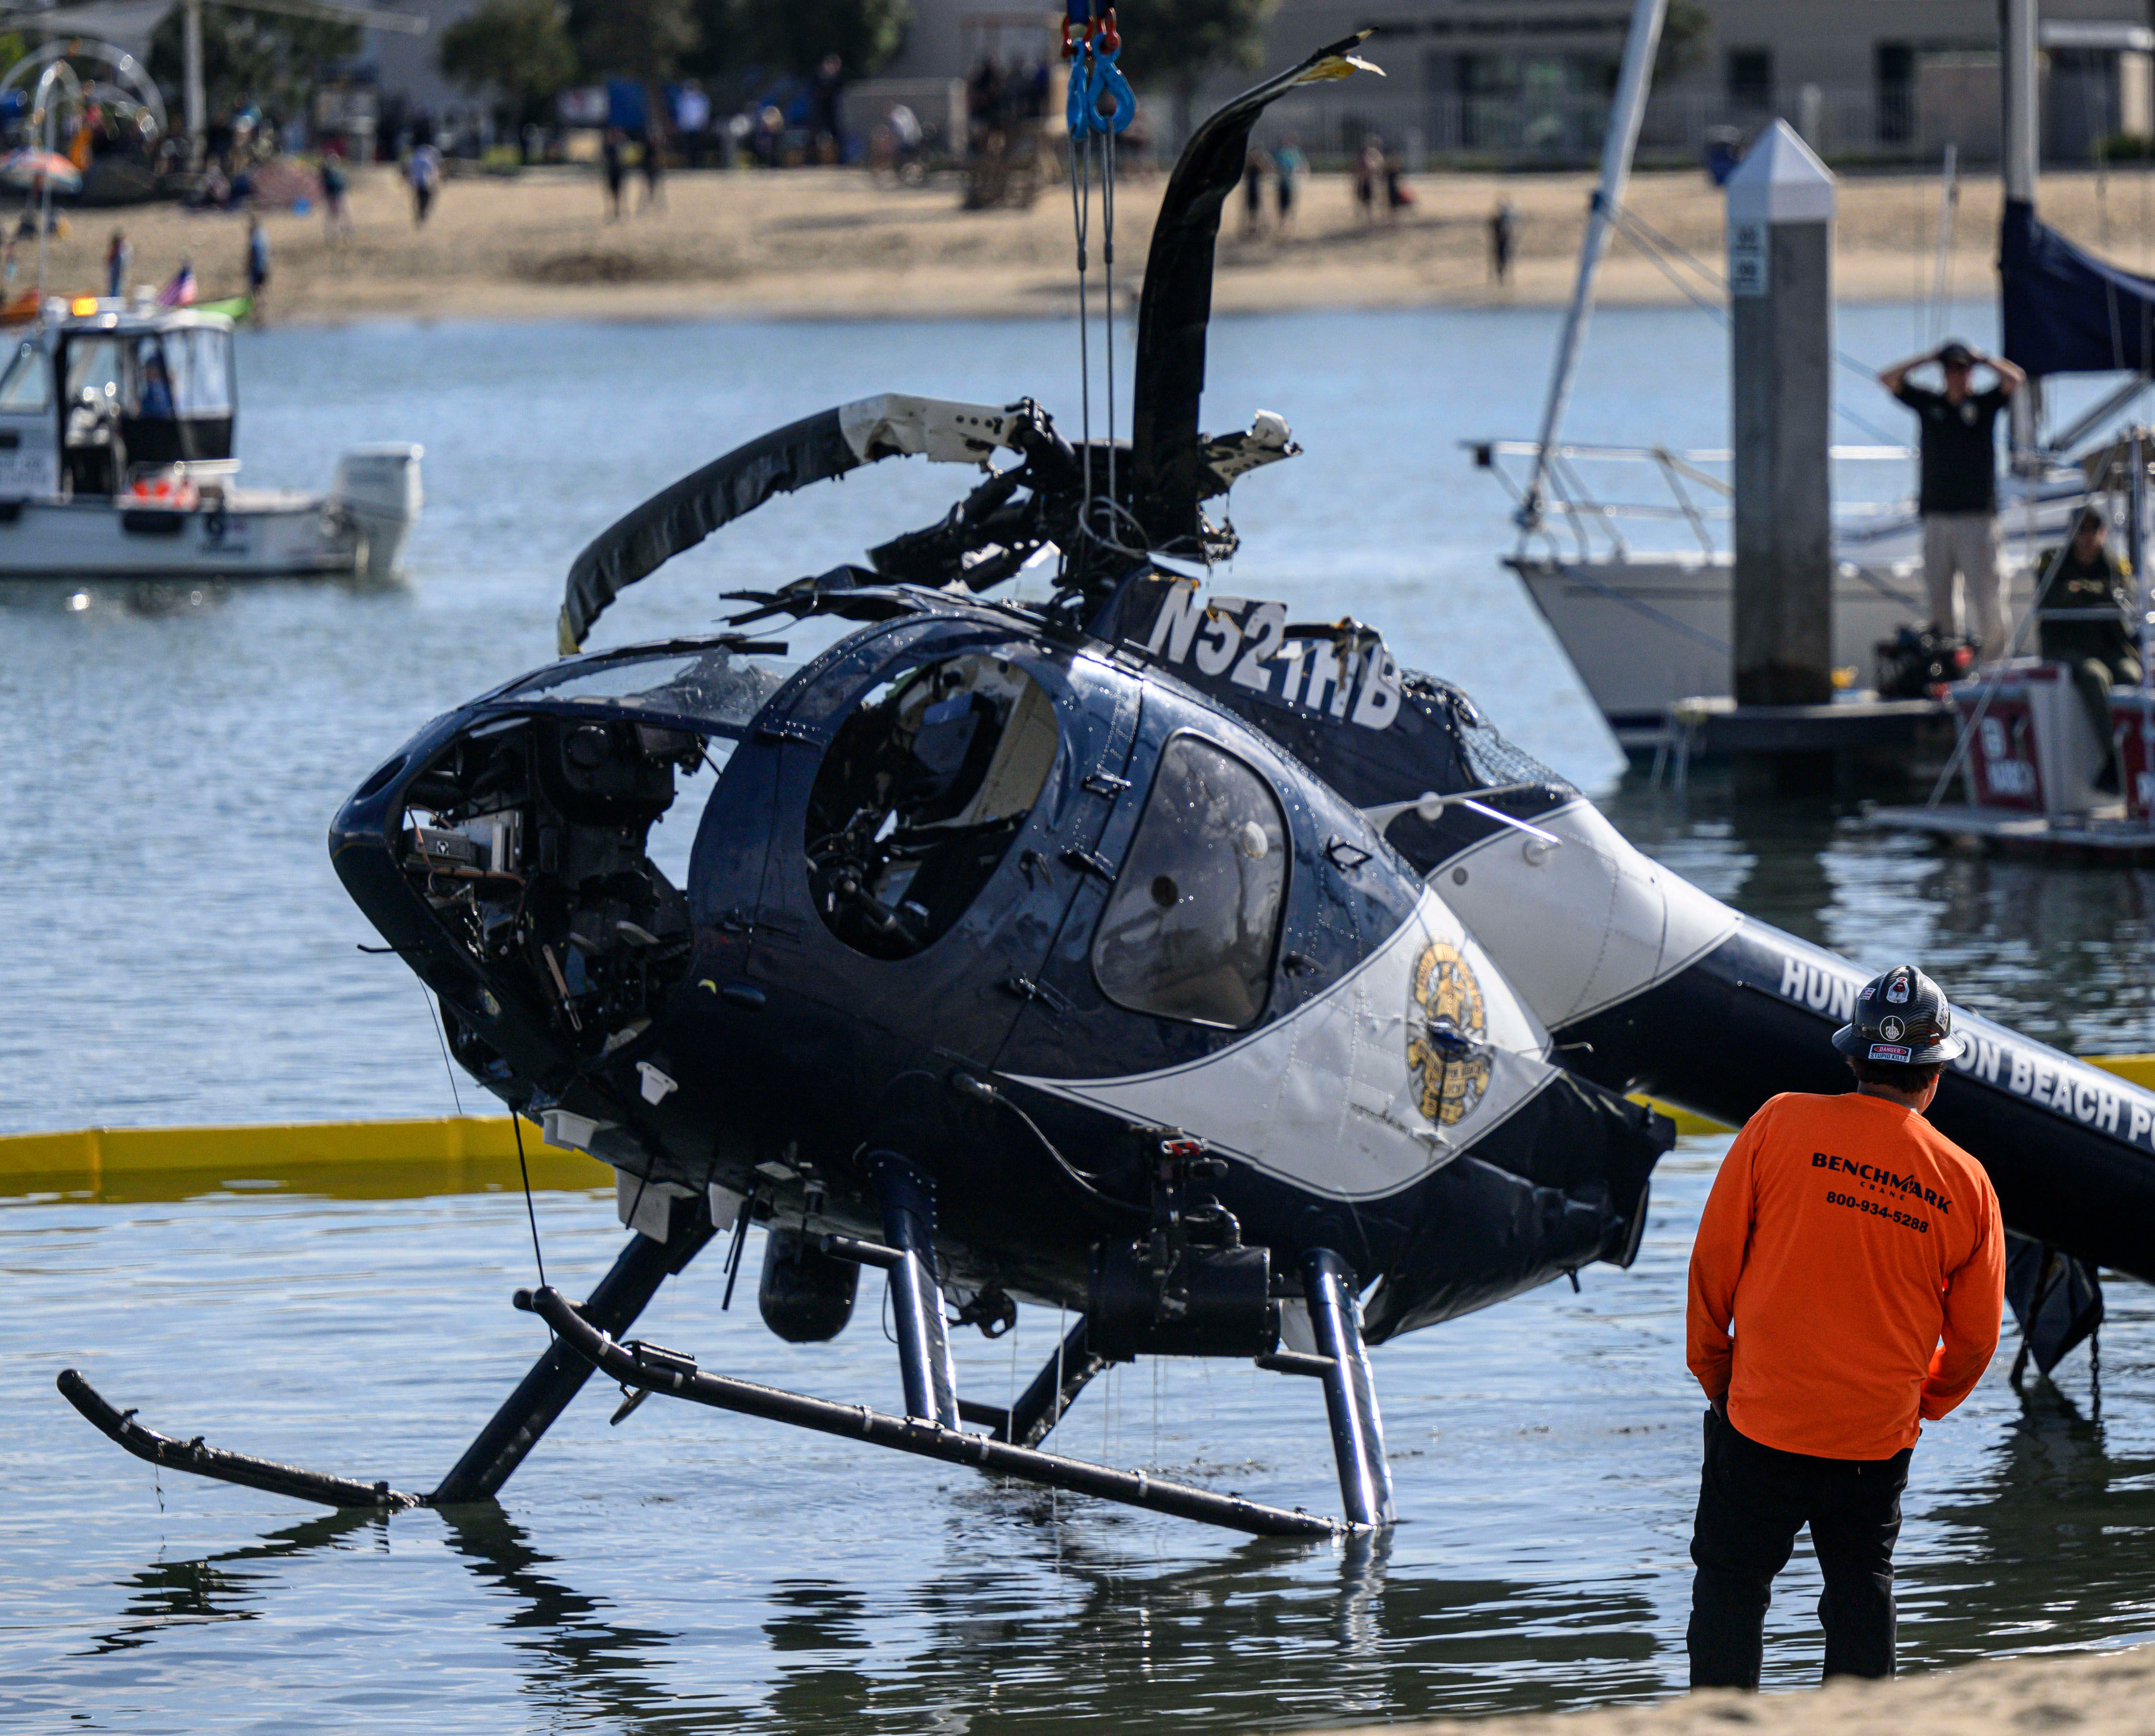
[[1176, 305], [816, 448]]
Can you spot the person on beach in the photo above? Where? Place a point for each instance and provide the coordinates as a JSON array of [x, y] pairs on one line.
[[258, 262], [1959, 498], [1369, 177], [654, 171], [1846, 1287], [1288, 167], [1253, 194], [616, 172], [2084, 616], [424, 172], [1504, 236], [119, 255], [335, 214]]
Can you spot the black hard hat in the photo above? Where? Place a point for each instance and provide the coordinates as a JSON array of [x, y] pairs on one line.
[[1902, 1016]]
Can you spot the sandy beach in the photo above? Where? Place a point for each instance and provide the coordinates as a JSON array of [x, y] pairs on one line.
[[2100, 1694], [832, 244]]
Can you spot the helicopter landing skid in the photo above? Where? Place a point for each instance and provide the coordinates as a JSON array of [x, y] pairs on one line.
[[673, 1374], [499, 1448]]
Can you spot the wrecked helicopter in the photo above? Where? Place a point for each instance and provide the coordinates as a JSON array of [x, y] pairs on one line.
[[1140, 953]]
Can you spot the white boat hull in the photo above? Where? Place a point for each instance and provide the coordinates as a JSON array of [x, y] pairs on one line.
[[1650, 631], [97, 539]]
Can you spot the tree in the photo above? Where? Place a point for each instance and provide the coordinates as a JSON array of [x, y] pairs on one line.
[[639, 39], [1177, 42], [1686, 31], [796, 35], [256, 57], [520, 48]]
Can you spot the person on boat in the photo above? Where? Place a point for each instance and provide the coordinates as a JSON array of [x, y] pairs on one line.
[[1846, 1287], [156, 402], [1959, 498], [2084, 616]]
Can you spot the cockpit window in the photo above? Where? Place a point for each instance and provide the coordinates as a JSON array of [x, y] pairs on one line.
[[1190, 930], [917, 803], [714, 686]]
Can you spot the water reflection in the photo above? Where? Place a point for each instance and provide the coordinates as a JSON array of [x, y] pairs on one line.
[[217, 1588], [2052, 1549], [574, 1655]]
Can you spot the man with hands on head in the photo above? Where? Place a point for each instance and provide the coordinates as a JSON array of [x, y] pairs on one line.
[[1958, 497]]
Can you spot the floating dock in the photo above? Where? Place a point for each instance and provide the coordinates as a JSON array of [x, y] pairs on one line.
[[2105, 835]]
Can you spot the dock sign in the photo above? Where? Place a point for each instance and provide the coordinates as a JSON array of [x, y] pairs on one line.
[[1748, 248]]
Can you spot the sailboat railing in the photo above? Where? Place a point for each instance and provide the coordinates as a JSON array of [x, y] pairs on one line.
[[1593, 516]]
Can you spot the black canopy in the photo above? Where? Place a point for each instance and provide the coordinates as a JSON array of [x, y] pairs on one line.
[[2065, 311]]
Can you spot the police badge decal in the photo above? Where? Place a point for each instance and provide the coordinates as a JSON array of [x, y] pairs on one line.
[[1449, 1060]]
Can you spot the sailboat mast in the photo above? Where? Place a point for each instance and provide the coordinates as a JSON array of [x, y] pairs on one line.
[[2017, 91], [1622, 140]]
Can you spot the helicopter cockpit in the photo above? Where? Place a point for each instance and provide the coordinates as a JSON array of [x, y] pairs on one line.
[[528, 833], [918, 800]]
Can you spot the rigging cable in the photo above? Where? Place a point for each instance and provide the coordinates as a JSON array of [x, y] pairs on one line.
[[1077, 50], [530, 1211], [1111, 42]]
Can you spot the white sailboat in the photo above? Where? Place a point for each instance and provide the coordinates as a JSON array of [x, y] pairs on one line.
[[1650, 630]]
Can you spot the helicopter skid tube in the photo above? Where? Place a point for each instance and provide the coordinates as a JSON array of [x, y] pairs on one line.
[[672, 1375], [121, 1428]]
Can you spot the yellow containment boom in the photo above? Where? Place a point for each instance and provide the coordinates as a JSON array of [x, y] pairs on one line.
[[397, 1160], [337, 1159]]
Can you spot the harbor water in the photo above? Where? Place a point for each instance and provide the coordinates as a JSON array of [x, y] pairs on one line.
[[179, 951]]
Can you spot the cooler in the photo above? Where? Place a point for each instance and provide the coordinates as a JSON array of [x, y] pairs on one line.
[[2033, 751]]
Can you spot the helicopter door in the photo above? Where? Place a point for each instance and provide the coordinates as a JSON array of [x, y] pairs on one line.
[[947, 828]]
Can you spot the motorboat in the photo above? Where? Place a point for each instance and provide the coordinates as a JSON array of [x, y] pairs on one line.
[[117, 430]]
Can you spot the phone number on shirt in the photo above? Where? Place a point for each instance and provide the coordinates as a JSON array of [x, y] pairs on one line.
[[1875, 1210]]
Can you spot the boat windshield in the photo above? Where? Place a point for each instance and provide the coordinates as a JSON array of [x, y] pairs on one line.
[[26, 385], [93, 365], [194, 366], [718, 688]]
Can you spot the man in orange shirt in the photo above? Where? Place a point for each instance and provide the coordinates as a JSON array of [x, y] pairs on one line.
[[1859, 1255]]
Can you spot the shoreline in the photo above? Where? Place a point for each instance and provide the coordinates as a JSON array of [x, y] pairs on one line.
[[2092, 1693], [833, 245]]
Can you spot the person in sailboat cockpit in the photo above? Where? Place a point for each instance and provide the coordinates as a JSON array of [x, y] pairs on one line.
[[1959, 499]]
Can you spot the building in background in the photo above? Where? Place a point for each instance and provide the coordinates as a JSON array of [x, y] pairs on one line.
[[1529, 81]]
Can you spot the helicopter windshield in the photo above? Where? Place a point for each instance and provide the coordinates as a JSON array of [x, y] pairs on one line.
[[717, 687], [918, 800], [1190, 930]]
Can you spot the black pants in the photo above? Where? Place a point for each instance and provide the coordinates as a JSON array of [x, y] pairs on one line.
[[1752, 1500]]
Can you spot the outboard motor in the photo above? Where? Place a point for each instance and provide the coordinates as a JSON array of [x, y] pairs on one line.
[[376, 491]]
